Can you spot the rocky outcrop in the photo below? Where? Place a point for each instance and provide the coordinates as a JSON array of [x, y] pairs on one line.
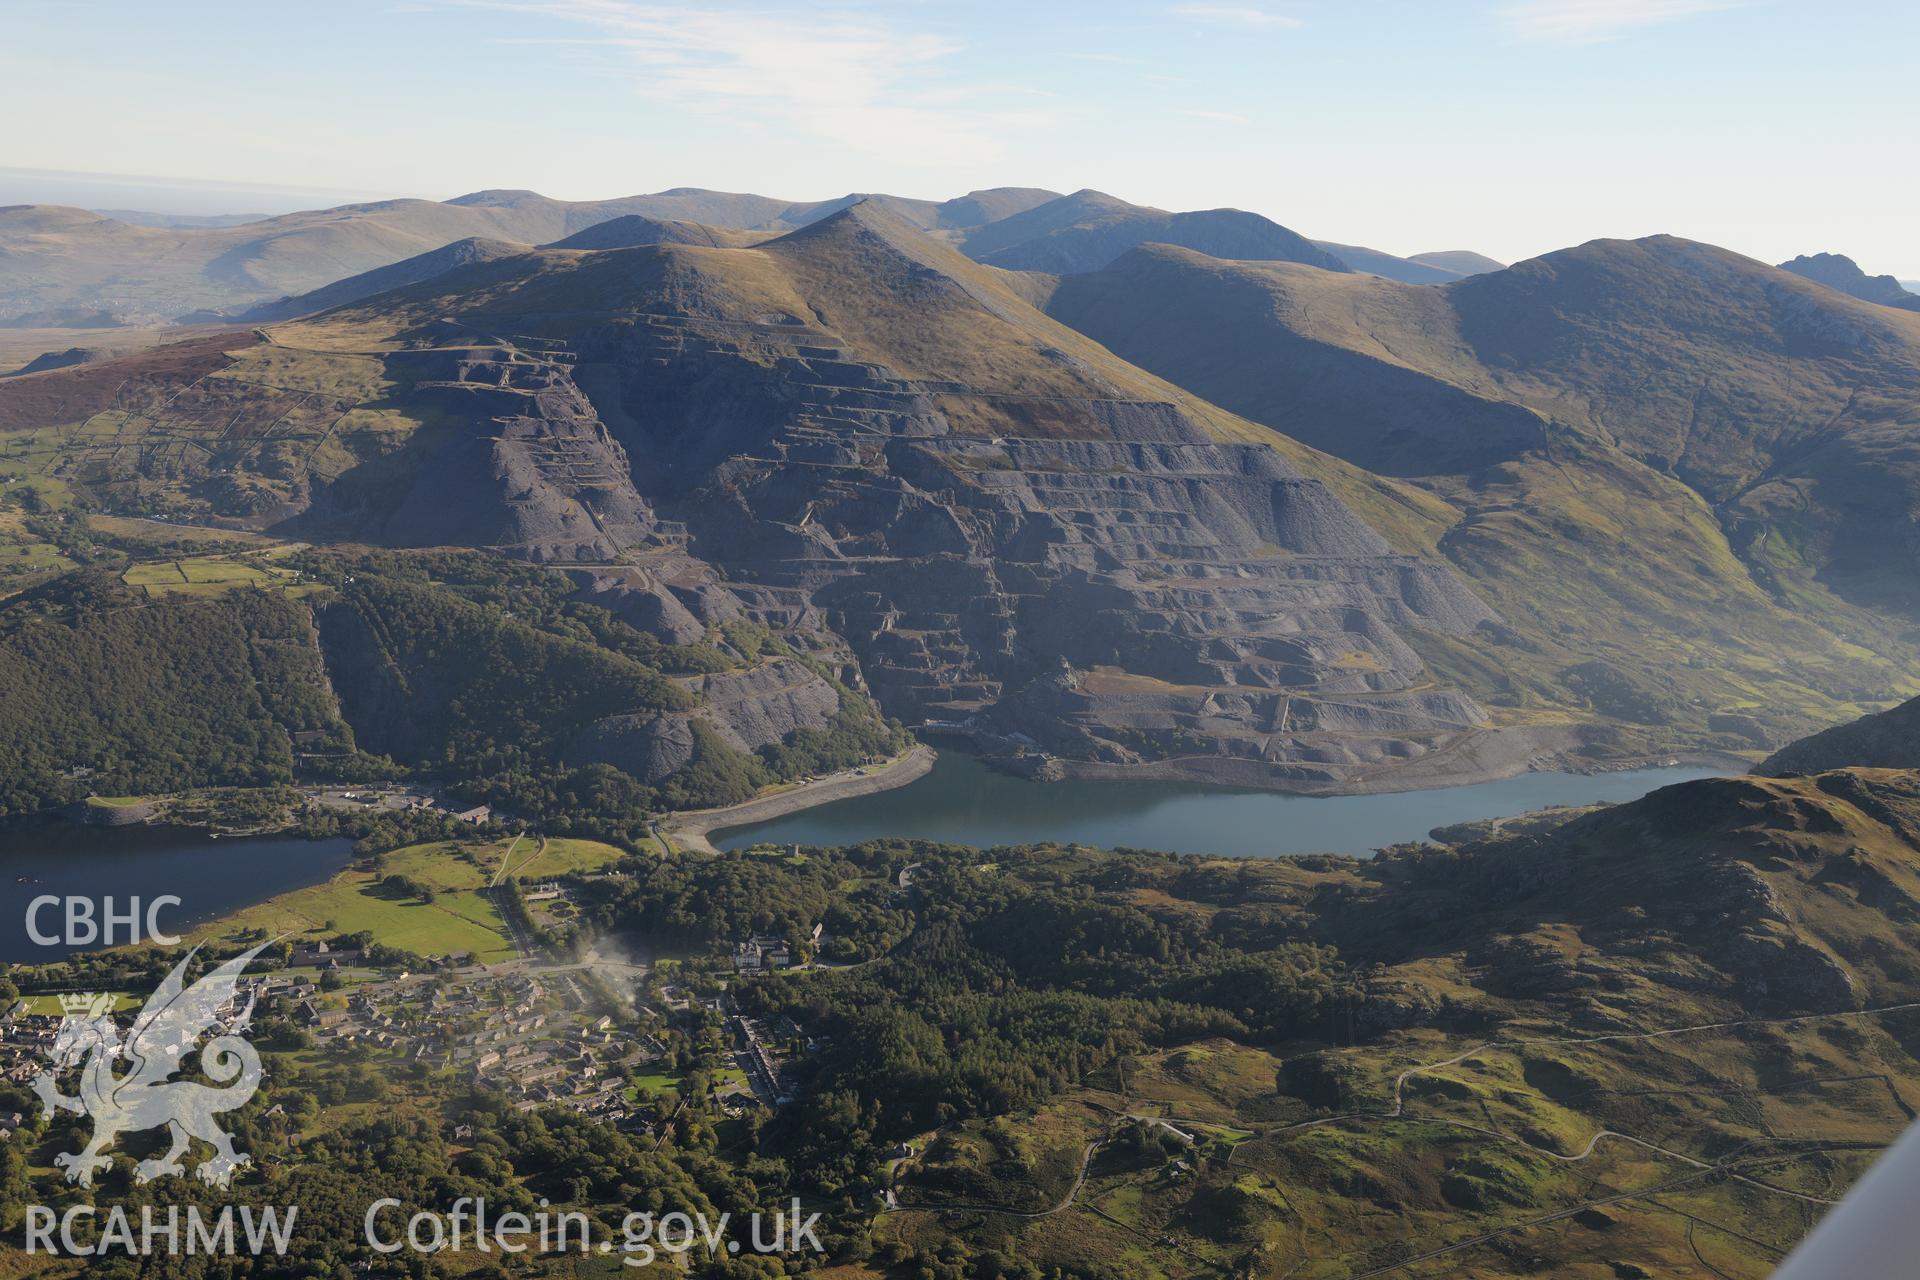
[[1003, 525], [97, 813], [760, 707], [671, 597], [967, 572], [533, 470], [651, 747], [748, 709]]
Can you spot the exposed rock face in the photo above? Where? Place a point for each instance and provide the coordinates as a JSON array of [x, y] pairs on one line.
[[540, 476], [1003, 529], [672, 602], [964, 573], [964, 569], [759, 707], [373, 692], [650, 747], [114, 815], [749, 709]]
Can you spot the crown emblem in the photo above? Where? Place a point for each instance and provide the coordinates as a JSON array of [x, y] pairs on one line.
[[81, 1004]]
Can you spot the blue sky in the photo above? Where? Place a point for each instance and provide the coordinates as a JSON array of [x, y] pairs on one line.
[[1508, 126]]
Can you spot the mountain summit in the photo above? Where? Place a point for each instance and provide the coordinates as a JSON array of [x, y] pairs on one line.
[[1089, 229], [1837, 271], [858, 428]]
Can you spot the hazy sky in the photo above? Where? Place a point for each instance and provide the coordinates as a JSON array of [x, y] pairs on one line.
[[1773, 127]]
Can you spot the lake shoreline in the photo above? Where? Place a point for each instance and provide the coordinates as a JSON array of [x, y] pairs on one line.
[[689, 829], [1255, 775], [965, 800]]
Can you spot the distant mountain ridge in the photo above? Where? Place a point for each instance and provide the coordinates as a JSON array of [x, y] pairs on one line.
[[1837, 271], [1089, 229], [624, 232], [145, 218], [1421, 268], [1464, 261], [61, 266], [424, 266], [631, 230]]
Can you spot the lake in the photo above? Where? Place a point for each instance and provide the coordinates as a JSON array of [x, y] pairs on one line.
[[965, 802], [960, 800], [210, 877]]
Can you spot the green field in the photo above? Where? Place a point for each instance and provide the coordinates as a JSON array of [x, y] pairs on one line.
[[20, 469], [562, 856], [50, 1004], [207, 575], [24, 558], [459, 918], [28, 556], [656, 1080]]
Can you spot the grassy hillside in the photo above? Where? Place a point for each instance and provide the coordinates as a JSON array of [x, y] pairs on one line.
[[1517, 1055], [1887, 739], [1673, 460]]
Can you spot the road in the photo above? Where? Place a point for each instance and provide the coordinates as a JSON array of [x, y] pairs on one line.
[[1066, 1202], [506, 860], [522, 941]]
